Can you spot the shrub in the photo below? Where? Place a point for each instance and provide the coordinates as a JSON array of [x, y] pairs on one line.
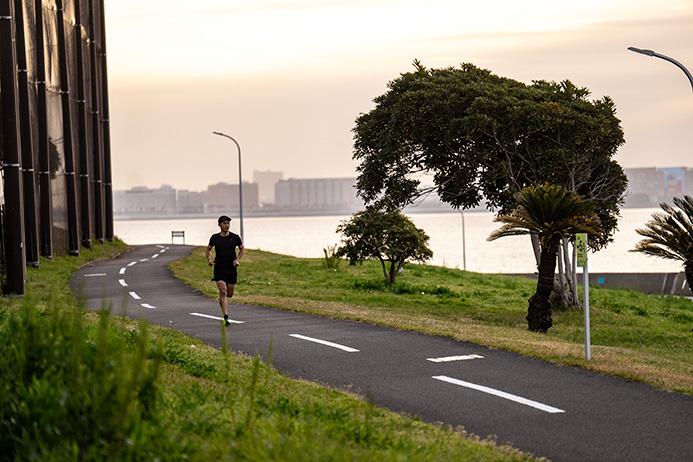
[[68, 392]]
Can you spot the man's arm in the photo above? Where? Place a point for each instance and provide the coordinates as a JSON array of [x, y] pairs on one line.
[[241, 251], [208, 254]]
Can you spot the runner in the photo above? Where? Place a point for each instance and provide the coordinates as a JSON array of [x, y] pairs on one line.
[[225, 262]]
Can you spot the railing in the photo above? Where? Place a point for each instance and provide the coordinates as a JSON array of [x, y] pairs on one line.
[[175, 234]]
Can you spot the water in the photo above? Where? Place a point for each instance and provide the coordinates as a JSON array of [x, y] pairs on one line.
[[308, 236]]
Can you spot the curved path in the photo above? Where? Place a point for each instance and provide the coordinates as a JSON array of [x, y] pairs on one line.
[[565, 414]]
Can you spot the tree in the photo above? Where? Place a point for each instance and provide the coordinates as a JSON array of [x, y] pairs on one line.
[[387, 236], [478, 136], [552, 213], [670, 235]]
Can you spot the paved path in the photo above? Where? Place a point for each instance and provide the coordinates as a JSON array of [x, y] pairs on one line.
[[562, 413]]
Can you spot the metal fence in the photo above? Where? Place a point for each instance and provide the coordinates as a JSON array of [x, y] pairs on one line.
[[3, 272], [55, 145]]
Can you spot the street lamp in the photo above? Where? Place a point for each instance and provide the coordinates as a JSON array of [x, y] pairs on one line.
[[666, 58], [240, 181]]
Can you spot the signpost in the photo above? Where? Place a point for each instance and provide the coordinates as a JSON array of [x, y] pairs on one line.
[[581, 246]]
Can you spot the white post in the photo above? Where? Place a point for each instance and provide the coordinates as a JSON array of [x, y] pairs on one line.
[[581, 258], [586, 297]]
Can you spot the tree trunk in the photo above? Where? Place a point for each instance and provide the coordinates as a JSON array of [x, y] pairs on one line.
[[539, 311], [387, 278], [395, 268], [688, 271], [571, 271], [536, 246]]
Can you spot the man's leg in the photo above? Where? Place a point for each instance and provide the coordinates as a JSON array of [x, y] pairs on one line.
[[223, 302]]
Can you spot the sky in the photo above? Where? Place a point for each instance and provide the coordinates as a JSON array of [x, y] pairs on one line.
[[288, 78]]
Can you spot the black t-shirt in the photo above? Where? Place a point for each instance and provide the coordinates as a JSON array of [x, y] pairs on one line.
[[225, 248]]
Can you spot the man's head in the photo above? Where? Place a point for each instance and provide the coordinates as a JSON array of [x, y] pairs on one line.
[[224, 223]]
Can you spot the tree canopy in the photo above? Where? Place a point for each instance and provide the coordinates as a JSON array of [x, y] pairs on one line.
[[479, 136], [387, 236]]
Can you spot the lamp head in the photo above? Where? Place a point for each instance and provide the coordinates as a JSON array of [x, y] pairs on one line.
[[642, 52]]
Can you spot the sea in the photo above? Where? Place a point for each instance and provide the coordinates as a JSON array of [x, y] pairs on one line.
[[458, 240]]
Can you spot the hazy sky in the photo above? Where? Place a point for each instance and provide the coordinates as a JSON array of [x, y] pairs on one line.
[[288, 78]]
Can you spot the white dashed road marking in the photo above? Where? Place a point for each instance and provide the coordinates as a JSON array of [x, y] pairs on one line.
[[132, 263], [134, 295], [325, 342], [454, 358], [93, 275], [122, 270], [215, 317], [500, 394], [123, 283], [147, 305]]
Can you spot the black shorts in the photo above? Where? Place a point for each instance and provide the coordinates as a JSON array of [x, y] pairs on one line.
[[228, 275]]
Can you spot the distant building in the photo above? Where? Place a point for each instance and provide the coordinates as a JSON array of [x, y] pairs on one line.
[[224, 196], [337, 194], [265, 182], [144, 201], [652, 185], [191, 201]]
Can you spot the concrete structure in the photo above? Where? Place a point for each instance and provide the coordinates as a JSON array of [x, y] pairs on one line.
[[190, 201], [144, 201], [224, 197], [266, 182], [338, 194], [650, 283], [647, 187]]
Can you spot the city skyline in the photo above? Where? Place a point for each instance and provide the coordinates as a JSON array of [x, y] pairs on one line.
[[288, 78], [648, 187]]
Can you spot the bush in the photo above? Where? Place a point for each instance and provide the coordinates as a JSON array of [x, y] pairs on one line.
[[71, 392]]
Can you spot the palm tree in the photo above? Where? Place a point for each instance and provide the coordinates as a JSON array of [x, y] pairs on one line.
[[550, 212], [670, 235]]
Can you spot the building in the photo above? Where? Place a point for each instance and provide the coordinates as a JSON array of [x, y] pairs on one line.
[[338, 194], [144, 201], [190, 201], [265, 182], [224, 197], [652, 185]]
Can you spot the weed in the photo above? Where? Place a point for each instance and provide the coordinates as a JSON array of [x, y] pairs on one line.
[[330, 259]]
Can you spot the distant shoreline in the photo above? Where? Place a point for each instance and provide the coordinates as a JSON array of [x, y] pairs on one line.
[[269, 213]]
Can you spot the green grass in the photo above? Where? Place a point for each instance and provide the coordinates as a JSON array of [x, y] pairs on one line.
[[77, 385], [636, 336]]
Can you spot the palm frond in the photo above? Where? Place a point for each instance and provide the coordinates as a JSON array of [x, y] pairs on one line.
[[669, 234], [549, 211]]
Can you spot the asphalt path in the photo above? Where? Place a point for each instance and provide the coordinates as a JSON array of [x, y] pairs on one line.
[[562, 413]]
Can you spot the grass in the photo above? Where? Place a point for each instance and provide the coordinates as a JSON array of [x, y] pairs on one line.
[[78, 385], [635, 336]]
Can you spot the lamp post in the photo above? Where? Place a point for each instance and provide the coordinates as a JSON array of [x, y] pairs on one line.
[[666, 58], [240, 182]]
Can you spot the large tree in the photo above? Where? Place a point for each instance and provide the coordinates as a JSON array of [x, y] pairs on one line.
[[551, 213], [477, 136], [387, 236], [669, 235]]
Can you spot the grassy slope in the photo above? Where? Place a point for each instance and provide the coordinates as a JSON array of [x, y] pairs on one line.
[[212, 405], [636, 336]]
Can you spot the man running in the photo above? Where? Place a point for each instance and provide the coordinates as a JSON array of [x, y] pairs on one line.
[[225, 262]]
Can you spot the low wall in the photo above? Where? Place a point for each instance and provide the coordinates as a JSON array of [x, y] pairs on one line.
[[650, 283]]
